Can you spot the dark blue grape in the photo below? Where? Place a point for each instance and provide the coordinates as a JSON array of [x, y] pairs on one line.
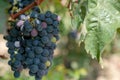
[[48, 14], [49, 44], [10, 62], [41, 17], [54, 16], [17, 63], [53, 46], [45, 40], [45, 53], [11, 51], [36, 60], [36, 8], [43, 33], [55, 23], [42, 66], [35, 42], [25, 3], [41, 73], [33, 14], [31, 74], [43, 59], [50, 57], [38, 50], [16, 74], [29, 61], [13, 32], [46, 72], [34, 68], [20, 5], [55, 32], [49, 29], [12, 56], [18, 56], [50, 36], [10, 45], [27, 25], [31, 54], [49, 20]]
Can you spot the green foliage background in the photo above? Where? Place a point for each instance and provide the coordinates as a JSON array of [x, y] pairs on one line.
[[3, 15]]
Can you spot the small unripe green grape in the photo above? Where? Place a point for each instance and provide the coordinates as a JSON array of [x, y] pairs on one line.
[[48, 64], [54, 40]]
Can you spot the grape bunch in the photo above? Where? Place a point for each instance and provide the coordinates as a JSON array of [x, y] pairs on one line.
[[31, 41], [17, 5]]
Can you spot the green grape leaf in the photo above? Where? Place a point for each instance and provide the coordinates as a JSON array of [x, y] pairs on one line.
[[79, 12], [76, 21], [3, 19], [102, 22]]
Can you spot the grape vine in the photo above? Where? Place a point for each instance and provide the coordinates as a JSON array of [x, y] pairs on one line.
[[32, 34]]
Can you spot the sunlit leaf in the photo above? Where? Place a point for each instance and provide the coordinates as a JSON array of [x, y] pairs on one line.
[[79, 13], [102, 21], [3, 14]]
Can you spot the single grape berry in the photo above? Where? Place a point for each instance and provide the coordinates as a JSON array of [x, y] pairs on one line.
[[41, 17], [45, 40], [16, 74], [49, 20], [34, 68], [34, 32], [38, 50], [43, 24], [31, 54], [36, 61], [45, 53]]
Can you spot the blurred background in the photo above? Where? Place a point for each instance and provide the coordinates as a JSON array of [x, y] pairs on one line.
[[71, 62]]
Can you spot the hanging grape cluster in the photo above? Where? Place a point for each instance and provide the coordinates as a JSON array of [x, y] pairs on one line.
[[17, 5], [31, 40]]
